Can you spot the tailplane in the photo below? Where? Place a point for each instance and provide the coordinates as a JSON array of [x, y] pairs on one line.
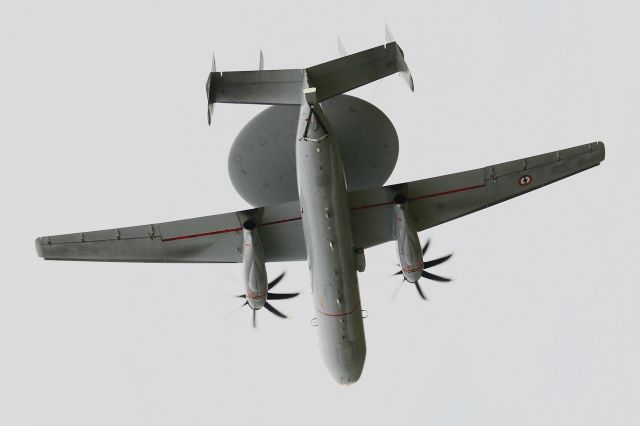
[[285, 87]]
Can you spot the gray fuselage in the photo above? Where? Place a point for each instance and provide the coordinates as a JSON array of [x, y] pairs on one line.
[[326, 222]]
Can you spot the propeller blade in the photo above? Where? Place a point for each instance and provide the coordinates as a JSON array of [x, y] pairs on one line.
[[241, 296], [281, 296], [435, 262], [395, 292], [275, 282], [420, 291], [253, 318], [425, 247], [398, 273], [273, 310], [435, 277]]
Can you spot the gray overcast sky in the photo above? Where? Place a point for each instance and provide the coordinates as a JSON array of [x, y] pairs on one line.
[[103, 124]]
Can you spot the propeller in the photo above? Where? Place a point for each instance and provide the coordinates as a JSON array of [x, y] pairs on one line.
[[429, 275], [270, 296], [209, 92]]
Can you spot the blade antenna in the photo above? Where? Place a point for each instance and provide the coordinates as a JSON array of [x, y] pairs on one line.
[[387, 34], [341, 49]]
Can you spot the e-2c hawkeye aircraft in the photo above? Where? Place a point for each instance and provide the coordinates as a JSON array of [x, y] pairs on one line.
[[314, 164]]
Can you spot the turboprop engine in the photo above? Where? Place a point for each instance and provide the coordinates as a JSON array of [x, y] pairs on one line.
[[410, 254], [409, 251], [253, 262], [255, 274]]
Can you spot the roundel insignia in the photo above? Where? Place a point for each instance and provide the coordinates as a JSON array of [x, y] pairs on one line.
[[525, 180]]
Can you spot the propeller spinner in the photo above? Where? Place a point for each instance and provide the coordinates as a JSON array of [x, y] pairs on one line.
[[428, 275], [268, 296]]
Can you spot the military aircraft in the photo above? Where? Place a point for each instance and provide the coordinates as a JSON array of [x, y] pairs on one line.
[[314, 164]]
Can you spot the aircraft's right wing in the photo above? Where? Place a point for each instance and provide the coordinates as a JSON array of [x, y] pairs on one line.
[[213, 239], [437, 200]]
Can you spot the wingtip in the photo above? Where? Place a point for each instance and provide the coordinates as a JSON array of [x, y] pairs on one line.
[[341, 50], [38, 244], [602, 150], [209, 113]]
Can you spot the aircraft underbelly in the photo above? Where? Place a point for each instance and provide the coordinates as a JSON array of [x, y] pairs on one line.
[[327, 227]]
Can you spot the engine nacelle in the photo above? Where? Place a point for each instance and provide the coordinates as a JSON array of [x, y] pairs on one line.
[[409, 251], [253, 261]]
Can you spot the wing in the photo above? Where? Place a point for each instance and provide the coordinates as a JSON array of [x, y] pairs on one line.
[[437, 200], [206, 239]]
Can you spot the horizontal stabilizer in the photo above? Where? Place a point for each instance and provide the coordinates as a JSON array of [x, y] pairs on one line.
[[349, 72], [284, 87], [269, 87]]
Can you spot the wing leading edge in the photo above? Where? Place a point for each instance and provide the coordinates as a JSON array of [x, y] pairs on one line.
[[440, 199], [218, 238]]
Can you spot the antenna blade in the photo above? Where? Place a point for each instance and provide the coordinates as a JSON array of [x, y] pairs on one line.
[[387, 34], [341, 49]]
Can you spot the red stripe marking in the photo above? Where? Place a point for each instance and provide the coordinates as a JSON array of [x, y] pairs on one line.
[[204, 234], [280, 221], [256, 296], [386, 203], [420, 197], [452, 191], [338, 315], [224, 231]]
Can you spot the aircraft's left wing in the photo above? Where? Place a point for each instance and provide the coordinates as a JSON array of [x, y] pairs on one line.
[[437, 200], [215, 238]]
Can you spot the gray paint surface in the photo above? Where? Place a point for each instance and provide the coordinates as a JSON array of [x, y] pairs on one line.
[[218, 238], [262, 157], [539, 326]]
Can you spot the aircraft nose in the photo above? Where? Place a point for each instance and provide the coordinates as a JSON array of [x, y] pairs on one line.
[[348, 369]]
